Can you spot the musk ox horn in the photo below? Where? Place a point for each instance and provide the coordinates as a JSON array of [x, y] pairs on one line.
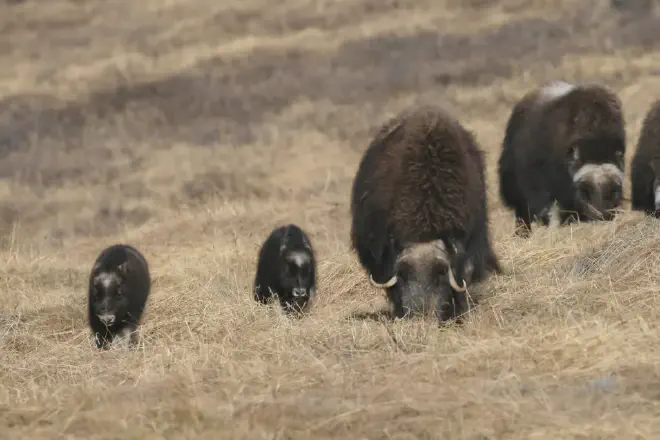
[[453, 283], [389, 283]]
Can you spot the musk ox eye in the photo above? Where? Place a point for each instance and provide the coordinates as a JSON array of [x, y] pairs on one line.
[[614, 194], [439, 271], [584, 192], [404, 272]]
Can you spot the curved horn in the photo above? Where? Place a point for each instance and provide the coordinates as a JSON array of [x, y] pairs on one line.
[[452, 282], [389, 283]]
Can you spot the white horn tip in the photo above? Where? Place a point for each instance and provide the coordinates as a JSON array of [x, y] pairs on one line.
[[454, 284], [392, 281]]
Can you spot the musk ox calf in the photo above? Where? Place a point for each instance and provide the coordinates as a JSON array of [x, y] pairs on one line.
[[119, 285], [562, 156], [419, 213], [645, 166], [286, 268]]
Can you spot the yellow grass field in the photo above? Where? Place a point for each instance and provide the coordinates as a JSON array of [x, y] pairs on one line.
[[191, 128]]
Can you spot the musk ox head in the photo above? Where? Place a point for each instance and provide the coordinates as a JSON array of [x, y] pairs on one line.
[[108, 295], [597, 185], [297, 272], [426, 277]]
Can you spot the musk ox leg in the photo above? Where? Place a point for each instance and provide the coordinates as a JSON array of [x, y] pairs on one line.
[[262, 294], [656, 199], [131, 334], [134, 339], [523, 223], [102, 340], [493, 262]]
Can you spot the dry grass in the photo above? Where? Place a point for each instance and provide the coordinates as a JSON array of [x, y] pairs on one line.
[[191, 128]]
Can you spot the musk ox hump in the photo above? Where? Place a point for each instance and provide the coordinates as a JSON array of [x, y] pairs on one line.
[[556, 90]]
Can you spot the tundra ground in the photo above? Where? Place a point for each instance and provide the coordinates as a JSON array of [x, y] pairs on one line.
[[191, 128]]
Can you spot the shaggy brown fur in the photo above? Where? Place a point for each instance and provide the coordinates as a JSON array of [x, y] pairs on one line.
[[420, 182], [645, 167], [566, 144]]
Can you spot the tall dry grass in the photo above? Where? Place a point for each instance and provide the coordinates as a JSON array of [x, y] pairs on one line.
[[190, 129]]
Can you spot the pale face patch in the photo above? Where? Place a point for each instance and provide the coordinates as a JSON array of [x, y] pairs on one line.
[[298, 258], [657, 197], [107, 279], [556, 90], [597, 174]]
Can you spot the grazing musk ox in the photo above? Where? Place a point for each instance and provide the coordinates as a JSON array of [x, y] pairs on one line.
[[645, 166], [562, 156], [119, 285], [419, 213], [287, 268]]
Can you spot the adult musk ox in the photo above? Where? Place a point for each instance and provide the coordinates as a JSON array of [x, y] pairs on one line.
[[286, 268], [563, 155], [419, 213], [645, 166], [119, 285]]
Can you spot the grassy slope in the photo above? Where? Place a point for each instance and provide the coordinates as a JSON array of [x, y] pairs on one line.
[[190, 128]]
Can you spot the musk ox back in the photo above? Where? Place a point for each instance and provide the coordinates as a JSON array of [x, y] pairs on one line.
[[119, 285], [286, 268], [645, 166], [419, 213], [563, 156]]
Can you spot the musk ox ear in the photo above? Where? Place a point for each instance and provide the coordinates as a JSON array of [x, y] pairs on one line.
[[123, 268], [306, 243], [458, 264]]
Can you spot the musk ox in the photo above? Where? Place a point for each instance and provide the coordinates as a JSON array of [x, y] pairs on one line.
[[645, 166], [562, 156], [419, 213], [286, 268], [119, 285]]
